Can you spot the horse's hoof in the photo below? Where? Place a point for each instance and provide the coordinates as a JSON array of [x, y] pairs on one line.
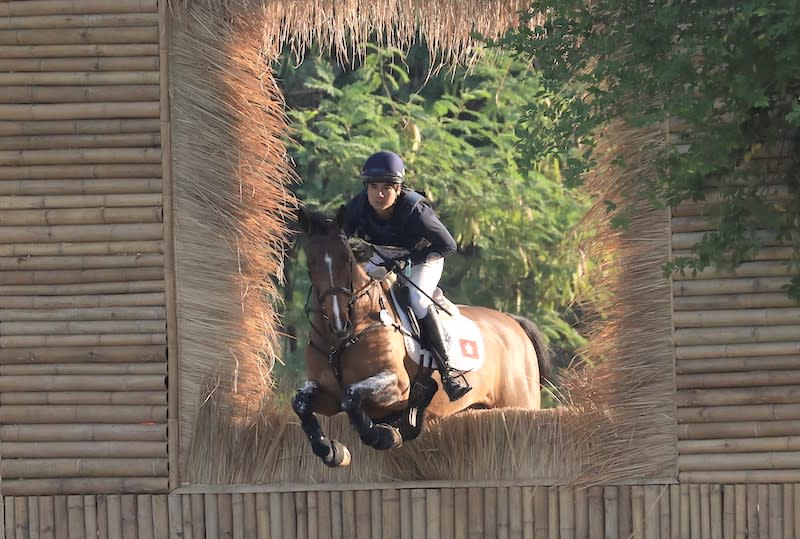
[[387, 437], [339, 456]]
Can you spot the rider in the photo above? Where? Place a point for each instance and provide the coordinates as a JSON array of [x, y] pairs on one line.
[[406, 233]]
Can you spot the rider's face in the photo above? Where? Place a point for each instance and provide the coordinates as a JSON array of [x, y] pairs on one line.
[[382, 196]]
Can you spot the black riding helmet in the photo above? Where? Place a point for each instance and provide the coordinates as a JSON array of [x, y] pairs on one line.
[[383, 167]]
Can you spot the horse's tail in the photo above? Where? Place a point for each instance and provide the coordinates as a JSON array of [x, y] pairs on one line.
[[537, 338]]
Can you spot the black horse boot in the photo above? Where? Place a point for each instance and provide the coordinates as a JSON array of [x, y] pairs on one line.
[[433, 335]]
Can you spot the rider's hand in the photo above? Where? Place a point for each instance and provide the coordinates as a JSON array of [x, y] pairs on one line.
[[397, 264]]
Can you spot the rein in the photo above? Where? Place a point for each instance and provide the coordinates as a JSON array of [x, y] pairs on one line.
[[335, 351]]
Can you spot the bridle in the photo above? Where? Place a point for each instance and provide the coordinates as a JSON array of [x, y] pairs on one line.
[[340, 343]]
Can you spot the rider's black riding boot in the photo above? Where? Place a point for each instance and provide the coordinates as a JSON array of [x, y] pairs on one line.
[[431, 329]]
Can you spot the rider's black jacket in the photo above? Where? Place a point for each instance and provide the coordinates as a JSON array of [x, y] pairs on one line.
[[413, 226]]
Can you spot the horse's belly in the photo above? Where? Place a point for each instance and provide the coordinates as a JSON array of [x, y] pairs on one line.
[[380, 390]]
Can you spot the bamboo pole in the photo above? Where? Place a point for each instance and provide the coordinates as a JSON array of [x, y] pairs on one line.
[[116, 63], [83, 414], [637, 510], [553, 517], [515, 514], [753, 395], [238, 515], [758, 412], [541, 523], [49, 22], [92, 156], [33, 517], [82, 187], [175, 517], [362, 515], [115, 516], [775, 510], [652, 511], [75, 517], [582, 510], [688, 239], [85, 315], [68, 36], [716, 512], [74, 7], [47, 517], [796, 493], [85, 467], [60, 514], [325, 518], [211, 515], [705, 512], [161, 516], [461, 526], [737, 350], [528, 517], [747, 429], [144, 516], [28, 398], [262, 514], [80, 216], [779, 253], [447, 515], [49, 142], [767, 460], [734, 335], [691, 223], [74, 262], [107, 248], [88, 327], [34, 369], [130, 527], [737, 379], [133, 339], [788, 510], [119, 232], [197, 515], [565, 512], [694, 511], [276, 517], [110, 354], [79, 201], [501, 506], [596, 520], [611, 513], [764, 510], [721, 365], [95, 126], [305, 509], [337, 517], [768, 268], [68, 432], [69, 51], [475, 508], [224, 515], [85, 171], [729, 286], [376, 512], [744, 317], [118, 78], [84, 450], [418, 515], [21, 523], [733, 301]]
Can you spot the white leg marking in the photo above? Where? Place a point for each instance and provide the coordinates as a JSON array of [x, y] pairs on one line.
[[381, 389], [337, 316]]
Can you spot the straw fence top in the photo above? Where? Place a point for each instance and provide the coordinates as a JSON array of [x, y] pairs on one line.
[[343, 27]]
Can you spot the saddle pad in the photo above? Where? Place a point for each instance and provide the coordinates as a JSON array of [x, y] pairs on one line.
[[463, 339]]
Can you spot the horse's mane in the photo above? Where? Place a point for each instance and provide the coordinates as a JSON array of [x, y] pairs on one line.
[[317, 221]]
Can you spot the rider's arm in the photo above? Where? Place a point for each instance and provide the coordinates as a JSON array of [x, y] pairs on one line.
[[424, 223]]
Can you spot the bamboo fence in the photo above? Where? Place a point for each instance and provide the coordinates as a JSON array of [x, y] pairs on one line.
[[421, 511], [83, 362]]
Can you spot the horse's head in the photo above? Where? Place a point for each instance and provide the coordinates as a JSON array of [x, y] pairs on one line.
[[335, 275]]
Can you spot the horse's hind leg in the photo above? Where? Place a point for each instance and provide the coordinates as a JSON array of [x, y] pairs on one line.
[[332, 452]]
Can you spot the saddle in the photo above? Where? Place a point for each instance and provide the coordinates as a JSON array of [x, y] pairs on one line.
[[463, 338]]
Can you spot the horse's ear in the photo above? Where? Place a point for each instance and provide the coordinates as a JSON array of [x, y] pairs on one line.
[[339, 219], [302, 220]]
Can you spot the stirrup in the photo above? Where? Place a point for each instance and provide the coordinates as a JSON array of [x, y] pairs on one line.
[[455, 390]]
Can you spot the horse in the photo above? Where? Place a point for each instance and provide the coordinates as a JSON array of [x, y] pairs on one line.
[[357, 362]]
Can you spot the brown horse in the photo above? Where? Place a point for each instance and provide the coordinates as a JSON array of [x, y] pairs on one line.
[[357, 361]]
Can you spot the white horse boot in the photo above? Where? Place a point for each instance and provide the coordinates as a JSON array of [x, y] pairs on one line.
[[433, 336]]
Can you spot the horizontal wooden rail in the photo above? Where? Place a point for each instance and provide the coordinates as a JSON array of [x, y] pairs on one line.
[[77, 433]]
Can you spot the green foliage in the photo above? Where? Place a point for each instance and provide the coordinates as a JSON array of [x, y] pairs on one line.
[[457, 137], [729, 71]]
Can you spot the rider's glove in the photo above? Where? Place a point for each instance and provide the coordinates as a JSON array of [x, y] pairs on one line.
[[398, 265]]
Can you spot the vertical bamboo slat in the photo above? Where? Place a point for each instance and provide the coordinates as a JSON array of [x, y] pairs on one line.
[[788, 510], [130, 525], [541, 525], [566, 512], [448, 513], [433, 514], [60, 514], [652, 513], [348, 515], [740, 494], [664, 509], [685, 524], [336, 514], [763, 509], [596, 520], [250, 525], [475, 517], [674, 512], [8, 517], [552, 513], [418, 514], [20, 517], [262, 514], [625, 508], [775, 510], [728, 511], [752, 509], [197, 515], [376, 511], [390, 506], [224, 515], [528, 517], [637, 510], [176, 517], [75, 517], [33, 519], [489, 496], [582, 510]]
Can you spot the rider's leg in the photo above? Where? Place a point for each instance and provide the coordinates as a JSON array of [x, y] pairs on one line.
[[426, 276]]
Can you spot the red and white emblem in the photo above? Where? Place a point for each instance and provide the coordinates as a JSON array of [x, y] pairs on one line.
[[469, 348]]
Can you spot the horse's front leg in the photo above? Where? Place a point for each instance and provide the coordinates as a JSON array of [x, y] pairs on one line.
[[332, 452], [383, 390]]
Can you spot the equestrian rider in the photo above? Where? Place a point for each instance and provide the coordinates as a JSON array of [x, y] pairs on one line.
[[407, 236]]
